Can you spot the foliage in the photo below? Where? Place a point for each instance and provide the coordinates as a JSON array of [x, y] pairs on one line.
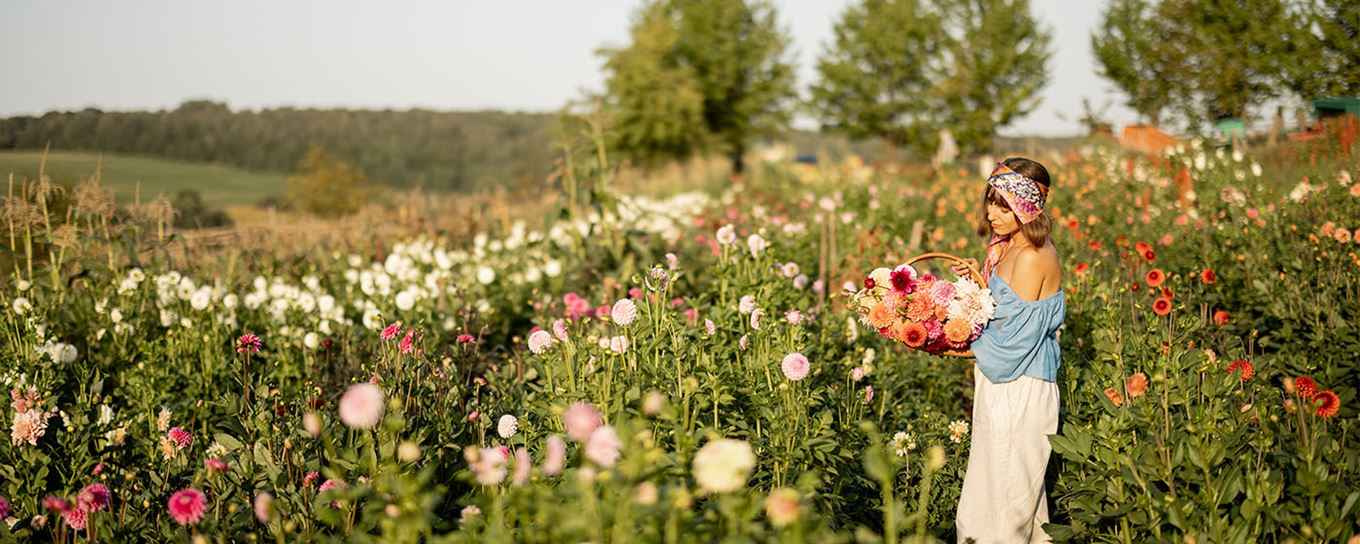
[[326, 185], [731, 54], [878, 76], [1126, 46]]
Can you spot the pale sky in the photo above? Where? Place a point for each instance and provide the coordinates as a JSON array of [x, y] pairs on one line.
[[448, 55]]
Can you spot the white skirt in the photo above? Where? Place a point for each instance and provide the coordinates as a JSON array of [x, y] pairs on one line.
[[1003, 497]]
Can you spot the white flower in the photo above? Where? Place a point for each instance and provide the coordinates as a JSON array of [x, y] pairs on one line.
[[201, 298], [747, 304], [485, 275], [755, 318], [115, 315], [539, 342], [624, 312], [801, 281], [105, 414], [67, 353], [21, 305], [903, 443], [507, 426], [957, 430], [723, 465], [756, 244], [311, 340], [727, 235], [618, 344], [789, 269], [406, 300]]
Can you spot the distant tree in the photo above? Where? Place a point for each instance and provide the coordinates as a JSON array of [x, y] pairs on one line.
[[325, 185], [878, 76], [658, 109], [732, 53], [996, 63], [191, 213], [1324, 51], [1127, 45]]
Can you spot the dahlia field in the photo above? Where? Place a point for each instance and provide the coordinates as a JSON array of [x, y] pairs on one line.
[[685, 368]]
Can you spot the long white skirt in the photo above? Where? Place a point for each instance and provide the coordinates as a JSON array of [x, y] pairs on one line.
[[1003, 496]]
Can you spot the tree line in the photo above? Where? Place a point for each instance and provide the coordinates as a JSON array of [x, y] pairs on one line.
[[434, 150]]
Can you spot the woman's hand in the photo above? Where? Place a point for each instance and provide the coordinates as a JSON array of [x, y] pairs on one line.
[[962, 270]]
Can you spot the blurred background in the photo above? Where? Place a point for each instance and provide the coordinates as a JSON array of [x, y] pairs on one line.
[[243, 111]]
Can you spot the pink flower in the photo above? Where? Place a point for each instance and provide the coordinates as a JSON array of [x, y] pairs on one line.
[[76, 518], [868, 394], [795, 366], [56, 504], [624, 311], [602, 448], [794, 317], [4, 508], [486, 464], [635, 292], [361, 407], [408, 342], [332, 483], [580, 421], [741, 342], [310, 478], [576, 306], [709, 327], [942, 292], [187, 506], [262, 505], [216, 464], [94, 497], [466, 339], [559, 330], [523, 468], [181, 438], [28, 426], [391, 332], [691, 315], [97, 470], [555, 457], [539, 342], [248, 343]]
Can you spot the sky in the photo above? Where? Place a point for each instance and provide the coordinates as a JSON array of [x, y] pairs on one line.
[[516, 55]]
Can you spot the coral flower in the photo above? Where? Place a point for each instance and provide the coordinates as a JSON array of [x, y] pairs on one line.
[[1155, 277], [958, 330], [880, 316], [187, 506], [1082, 269], [911, 333], [1220, 318], [1162, 306], [1142, 248], [1305, 386], [1137, 385], [1328, 403], [920, 308], [1247, 369], [1207, 276], [1114, 396]]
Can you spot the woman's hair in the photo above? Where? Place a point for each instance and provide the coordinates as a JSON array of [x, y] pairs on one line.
[[1038, 230]]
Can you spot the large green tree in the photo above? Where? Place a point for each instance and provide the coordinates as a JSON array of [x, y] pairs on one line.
[[1327, 52], [878, 76], [1127, 45], [732, 53], [995, 62]]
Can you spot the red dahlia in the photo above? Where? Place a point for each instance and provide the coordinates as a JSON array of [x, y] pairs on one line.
[[1305, 386], [1327, 403], [1247, 369]]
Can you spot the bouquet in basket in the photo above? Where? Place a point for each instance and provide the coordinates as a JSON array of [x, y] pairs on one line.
[[923, 311]]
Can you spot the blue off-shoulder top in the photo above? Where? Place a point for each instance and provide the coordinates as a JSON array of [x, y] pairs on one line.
[[1022, 337]]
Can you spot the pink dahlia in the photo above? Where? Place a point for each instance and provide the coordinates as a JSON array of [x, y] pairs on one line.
[[361, 407], [187, 506], [602, 448], [94, 497], [391, 331], [556, 456], [216, 464], [248, 343], [76, 518], [795, 366], [180, 437], [580, 421]]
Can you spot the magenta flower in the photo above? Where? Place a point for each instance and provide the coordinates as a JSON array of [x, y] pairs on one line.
[[391, 332], [187, 506], [248, 343], [180, 437], [94, 497]]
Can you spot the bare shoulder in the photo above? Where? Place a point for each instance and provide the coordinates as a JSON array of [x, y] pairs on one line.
[[1042, 269]]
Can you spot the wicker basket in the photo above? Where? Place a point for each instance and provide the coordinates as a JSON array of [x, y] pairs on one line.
[[977, 277]]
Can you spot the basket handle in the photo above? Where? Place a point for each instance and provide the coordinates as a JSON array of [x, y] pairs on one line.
[[977, 276]]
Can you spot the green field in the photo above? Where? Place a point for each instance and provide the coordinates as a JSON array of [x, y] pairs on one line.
[[220, 186]]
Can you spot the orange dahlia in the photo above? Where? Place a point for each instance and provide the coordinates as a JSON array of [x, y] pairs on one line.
[[1155, 277], [1207, 276], [1114, 396], [958, 330], [1327, 403], [1247, 369], [880, 315], [1161, 306], [1220, 318], [910, 333], [1137, 385], [920, 308]]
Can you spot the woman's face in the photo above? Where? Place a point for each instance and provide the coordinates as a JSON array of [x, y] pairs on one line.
[[1002, 219]]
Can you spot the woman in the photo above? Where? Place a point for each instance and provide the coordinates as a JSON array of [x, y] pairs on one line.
[[1015, 402]]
